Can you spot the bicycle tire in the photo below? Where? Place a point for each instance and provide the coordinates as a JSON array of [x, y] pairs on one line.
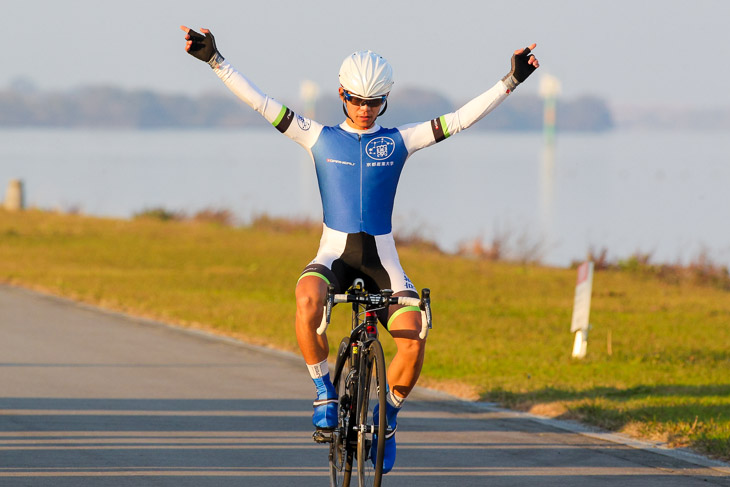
[[341, 453], [372, 389]]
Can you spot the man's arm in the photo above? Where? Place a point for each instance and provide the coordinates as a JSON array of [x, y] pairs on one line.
[[420, 135], [203, 47]]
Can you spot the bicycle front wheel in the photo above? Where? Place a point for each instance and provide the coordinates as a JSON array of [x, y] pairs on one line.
[[342, 451], [372, 391]]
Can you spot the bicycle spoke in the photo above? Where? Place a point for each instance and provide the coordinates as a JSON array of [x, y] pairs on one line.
[[360, 380], [372, 389], [341, 456]]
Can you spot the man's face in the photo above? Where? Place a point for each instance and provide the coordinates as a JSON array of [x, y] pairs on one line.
[[362, 115]]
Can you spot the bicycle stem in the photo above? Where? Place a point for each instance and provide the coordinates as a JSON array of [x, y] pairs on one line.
[[383, 299]]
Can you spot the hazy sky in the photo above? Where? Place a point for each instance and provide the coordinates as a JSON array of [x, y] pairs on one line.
[[639, 51]]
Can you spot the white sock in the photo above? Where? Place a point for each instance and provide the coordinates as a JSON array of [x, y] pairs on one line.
[[319, 370], [393, 400]]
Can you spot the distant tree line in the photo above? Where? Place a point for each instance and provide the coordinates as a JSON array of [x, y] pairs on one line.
[[111, 107], [116, 108]]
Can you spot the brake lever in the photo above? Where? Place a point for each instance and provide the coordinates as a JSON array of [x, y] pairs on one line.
[[327, 315], [426, 316]]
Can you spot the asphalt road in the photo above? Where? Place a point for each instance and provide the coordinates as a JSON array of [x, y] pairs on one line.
[[93, 398]]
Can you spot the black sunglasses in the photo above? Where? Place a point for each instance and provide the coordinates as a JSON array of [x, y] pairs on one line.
[[370, 102]]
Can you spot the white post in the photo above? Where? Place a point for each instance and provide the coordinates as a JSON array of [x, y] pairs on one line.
[[14, 200], [308, 197], [582, 309], [308, 92], [580, 345], [549, 89]]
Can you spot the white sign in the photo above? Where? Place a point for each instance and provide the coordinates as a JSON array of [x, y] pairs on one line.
[[582, 302]]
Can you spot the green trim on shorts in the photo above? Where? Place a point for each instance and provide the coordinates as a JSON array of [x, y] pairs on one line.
[[315, 274], [405, 309]]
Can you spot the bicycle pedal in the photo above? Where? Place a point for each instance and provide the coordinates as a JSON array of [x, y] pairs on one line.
[[322, 436]]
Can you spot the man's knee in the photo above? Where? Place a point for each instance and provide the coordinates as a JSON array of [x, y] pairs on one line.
[[405, 331], [411, 347], [310, 297]]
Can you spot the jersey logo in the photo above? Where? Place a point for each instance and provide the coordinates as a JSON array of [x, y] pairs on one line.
[[303, 123], [409, 284], [337, 161], [380, 148]]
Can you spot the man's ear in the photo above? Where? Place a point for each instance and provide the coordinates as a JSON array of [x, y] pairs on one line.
[[341, 91]]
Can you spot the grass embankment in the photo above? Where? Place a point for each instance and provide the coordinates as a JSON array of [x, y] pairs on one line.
[[658, 357]]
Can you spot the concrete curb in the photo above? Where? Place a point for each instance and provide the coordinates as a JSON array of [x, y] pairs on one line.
[[581, 429]]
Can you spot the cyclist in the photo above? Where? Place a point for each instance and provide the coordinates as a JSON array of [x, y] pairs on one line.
[[358, 164]]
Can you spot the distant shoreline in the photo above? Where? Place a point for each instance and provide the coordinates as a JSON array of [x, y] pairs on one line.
[[113, 107]]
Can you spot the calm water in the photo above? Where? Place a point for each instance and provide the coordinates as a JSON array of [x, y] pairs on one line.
[[664, 193]]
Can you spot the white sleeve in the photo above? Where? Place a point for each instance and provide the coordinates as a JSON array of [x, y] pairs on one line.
[[419, 135], [300, 129]]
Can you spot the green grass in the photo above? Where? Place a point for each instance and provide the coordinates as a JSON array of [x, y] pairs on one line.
[[501, 330]]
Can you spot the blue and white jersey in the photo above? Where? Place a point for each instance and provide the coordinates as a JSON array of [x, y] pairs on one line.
[[358, 176], [358, 171]]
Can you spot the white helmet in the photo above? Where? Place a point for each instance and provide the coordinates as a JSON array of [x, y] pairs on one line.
[[366, 74]]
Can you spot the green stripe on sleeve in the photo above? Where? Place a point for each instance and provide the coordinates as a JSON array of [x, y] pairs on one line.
[[400, 312], [444, 127], [280, 116]]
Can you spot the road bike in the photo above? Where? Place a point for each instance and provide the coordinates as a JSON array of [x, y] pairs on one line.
[[360, 381]]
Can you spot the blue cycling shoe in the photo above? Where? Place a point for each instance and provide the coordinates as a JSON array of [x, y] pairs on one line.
[[325, 414], [325, 407], [389, 453]]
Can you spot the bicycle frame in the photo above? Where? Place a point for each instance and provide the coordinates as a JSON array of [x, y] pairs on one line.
[[359, 356], [360, 366]]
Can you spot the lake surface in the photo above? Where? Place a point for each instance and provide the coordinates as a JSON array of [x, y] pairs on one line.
[[662, 193]]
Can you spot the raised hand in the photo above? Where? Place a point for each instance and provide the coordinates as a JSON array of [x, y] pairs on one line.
[[524, 63], [202, 46]]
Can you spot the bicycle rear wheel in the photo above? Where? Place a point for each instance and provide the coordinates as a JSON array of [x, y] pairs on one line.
[[341, 454], [372, 391]]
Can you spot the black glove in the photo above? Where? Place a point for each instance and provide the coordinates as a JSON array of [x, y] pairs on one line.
[[521, 69], [204, 48]]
